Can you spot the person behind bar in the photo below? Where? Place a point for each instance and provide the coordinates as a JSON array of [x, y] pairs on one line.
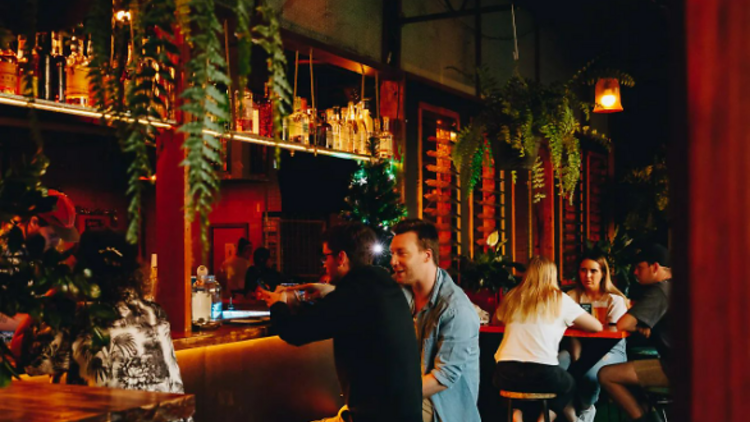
[[446, 323], [648, 316], [233, 270], [536, 314], [261, 274], [367, 317], [140, 354]]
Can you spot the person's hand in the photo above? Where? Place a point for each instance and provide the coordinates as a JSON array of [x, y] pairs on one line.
[[645, 331], [272, 297], [313, 291]]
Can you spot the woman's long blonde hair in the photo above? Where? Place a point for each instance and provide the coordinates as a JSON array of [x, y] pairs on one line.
[[606, 285], [537, 297]]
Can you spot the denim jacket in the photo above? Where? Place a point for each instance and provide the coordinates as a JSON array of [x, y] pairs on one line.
[[448, 334]]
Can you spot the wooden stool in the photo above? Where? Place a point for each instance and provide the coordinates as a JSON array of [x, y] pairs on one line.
[[514, 395]]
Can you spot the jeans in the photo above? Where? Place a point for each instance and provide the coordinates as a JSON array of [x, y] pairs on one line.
[[588, 385], [528, 377]]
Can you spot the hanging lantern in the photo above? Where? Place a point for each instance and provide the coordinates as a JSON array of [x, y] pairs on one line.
[[607, 96]]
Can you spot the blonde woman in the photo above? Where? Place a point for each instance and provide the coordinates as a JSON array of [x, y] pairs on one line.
[[536, 315], [595, 287]]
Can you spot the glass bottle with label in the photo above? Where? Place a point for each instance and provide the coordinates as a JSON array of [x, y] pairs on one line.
[[8, 71], [201, 299], [43, 63], [57, 62], [214, 291], [386, 140], [76, 75], [304, 123]]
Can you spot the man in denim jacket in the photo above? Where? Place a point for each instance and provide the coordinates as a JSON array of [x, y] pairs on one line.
[[445, 321]]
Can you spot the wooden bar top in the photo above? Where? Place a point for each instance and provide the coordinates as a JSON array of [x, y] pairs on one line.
[[227, 333], [609, 332], [43, 402]]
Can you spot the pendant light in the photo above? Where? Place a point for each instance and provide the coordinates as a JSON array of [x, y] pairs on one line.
[[607, 96]]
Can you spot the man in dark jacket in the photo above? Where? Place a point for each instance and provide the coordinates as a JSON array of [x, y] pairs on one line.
[[367, 317]]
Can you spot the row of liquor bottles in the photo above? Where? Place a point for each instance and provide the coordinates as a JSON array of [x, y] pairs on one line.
[[348, 129], [58, 67]]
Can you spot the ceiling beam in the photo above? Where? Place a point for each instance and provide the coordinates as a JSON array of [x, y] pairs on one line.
[[454, 14]]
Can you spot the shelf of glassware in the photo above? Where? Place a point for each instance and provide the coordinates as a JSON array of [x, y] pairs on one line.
[[76, 110]]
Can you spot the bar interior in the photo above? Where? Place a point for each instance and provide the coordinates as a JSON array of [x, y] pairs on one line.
[[267, 210]]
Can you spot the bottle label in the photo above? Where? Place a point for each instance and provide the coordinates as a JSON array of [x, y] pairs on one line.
[[8, 78], [216, 311]]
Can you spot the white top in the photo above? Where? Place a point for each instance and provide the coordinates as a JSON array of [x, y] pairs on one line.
[[616, 306], [537, 341]]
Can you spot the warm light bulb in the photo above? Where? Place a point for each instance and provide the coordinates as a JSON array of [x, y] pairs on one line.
[[608, 100], [377, 249], [122, 16]]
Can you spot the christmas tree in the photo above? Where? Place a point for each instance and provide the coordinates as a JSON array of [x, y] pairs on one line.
[[374, 200]]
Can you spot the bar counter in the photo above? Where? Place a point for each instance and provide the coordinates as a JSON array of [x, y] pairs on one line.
[[227, 333]]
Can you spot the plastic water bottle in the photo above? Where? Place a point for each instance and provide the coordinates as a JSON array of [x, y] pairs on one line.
[[214, 290]]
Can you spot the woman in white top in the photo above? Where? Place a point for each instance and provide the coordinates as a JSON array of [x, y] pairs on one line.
[[595, 287], [536, 315]]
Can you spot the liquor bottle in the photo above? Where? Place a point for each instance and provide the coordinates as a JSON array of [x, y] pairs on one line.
[[328, 128], [201, 299], [335, 133], [366, 124], [214, 291], [8, 71], [76, 75], [386, 140], [247, 116], [43, 63], [350, 128], [25, 66], [304, 123], [265, 112], [291, 124], [57, 63]]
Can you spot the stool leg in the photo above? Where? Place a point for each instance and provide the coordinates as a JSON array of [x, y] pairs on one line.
[[545, 409], [510, 409]]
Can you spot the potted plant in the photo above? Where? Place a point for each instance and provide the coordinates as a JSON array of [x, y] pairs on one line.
[[489, 275]]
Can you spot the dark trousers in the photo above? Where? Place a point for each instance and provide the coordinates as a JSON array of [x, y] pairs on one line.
[[526, 377]]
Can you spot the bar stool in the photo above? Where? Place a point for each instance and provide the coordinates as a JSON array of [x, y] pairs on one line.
[[514, 395], [659, 398]]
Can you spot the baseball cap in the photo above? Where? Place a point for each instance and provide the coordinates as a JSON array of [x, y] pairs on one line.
[[654, 253], [62, 218]]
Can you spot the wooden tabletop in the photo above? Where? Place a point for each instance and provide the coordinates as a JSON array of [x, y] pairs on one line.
[[43, 402], [608, 332]]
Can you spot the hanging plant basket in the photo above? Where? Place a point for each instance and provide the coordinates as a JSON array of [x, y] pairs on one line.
[[508, 158]]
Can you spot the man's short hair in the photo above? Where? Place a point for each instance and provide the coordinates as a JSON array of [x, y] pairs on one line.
[[427, 235], [243, 244], [654, 253], [354, 238], [261, 254]]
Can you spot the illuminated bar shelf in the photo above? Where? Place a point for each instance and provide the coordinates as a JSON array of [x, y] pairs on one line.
[[74, 110]]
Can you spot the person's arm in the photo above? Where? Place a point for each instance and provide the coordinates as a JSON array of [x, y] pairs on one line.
[[339, 312], [647, 312], [627, 323], [587, 322], [458, 345]]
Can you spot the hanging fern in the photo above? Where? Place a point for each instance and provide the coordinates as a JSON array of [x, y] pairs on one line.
[[152, 68], [523, 115], [268, 36], [245, 40], [208, 107]]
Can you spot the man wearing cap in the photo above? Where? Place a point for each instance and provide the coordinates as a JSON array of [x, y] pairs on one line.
[[648, 316]]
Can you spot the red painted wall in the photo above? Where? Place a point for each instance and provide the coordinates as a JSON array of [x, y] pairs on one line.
[[241, 202]]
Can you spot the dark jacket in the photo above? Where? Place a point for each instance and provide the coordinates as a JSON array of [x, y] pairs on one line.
[[374, 344]]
